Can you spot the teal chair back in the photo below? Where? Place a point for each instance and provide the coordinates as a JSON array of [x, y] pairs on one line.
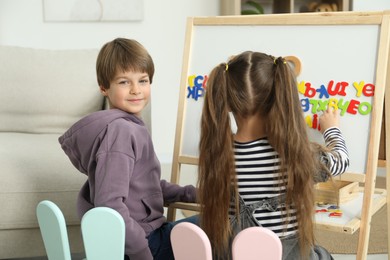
[[103, 231], [53, 230]]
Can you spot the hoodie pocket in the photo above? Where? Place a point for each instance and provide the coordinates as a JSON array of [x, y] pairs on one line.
[[153, 207]]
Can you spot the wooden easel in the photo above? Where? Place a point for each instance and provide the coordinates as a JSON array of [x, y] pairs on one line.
[[382, 79]]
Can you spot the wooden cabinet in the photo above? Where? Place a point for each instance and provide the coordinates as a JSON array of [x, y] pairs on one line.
[[233, 7]]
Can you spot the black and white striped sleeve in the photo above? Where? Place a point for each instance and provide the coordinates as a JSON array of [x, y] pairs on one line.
[[338, 158]]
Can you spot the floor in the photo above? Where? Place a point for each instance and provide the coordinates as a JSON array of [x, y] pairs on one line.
[[353, 257], [336, 257], [74, 257]]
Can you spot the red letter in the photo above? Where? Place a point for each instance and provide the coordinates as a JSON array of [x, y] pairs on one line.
[[310, 92], [315, 121], [368, 90], [339, 88], [353, 106], [343, 85], [205, 81]]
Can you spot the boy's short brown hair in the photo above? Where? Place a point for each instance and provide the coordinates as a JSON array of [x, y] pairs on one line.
[[125, 55]]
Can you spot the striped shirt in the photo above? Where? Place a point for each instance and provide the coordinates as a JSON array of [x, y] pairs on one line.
[[257, 171]]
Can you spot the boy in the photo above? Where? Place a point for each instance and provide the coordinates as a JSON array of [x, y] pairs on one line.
[[114, 149]]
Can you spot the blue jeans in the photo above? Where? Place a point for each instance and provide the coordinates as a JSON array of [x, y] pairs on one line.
[[160, 239]]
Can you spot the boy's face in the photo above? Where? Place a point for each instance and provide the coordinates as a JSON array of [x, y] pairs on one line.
[[129, 91]]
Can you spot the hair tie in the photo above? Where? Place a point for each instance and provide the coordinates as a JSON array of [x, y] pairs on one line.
[[226, 67], [278, 60]]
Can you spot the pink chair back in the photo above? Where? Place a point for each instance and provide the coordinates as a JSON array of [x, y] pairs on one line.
[[256, 243], [190, 242]]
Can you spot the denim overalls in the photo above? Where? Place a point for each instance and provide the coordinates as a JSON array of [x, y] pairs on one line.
[[291, 250]]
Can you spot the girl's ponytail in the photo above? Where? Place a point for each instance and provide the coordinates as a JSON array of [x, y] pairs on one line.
[[288, 135], [216, 161]]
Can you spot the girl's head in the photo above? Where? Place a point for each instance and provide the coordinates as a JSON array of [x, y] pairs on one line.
[[253, 84], [122, 55]]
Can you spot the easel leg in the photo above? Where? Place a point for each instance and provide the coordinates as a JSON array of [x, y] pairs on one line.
[[387, 140]]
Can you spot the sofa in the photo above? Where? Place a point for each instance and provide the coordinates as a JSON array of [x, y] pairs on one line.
[[43, 92]]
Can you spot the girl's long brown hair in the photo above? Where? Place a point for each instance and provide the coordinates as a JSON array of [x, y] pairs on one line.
[[248, 84]]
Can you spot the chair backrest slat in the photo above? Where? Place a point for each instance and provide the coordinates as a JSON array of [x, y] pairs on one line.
[[254, 242], [190, 242], [103, 231], [53, 230]]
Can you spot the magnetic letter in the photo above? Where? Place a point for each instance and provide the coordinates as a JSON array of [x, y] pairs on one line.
[[315, 121], [314, 103], [341, 88], [191, 80], [322, 105], [301, 87], [323, 92], [353, 105], [367, 109], [191, 92], [199, 92], [343, 106], [308, 120], [305, 104], [368, 90], [198, 81], [330, 91], [333, 103], [205, 81], [309, 92], [358, 86]]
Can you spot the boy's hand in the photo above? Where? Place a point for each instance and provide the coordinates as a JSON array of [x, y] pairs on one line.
[[329, 118]]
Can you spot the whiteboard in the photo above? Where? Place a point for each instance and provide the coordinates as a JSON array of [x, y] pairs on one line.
[[339, 47], [342, 54]]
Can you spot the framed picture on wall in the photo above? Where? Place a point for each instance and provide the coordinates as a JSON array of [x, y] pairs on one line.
[[92, 10]]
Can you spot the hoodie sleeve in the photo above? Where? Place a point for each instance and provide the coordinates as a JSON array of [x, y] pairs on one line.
[[175, 193], [113, 172]]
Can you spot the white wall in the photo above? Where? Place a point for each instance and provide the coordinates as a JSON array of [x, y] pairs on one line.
[[367, 5], [161, 31]]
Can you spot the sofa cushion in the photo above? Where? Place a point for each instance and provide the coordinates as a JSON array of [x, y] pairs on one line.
[[34, 168], [46, 91]]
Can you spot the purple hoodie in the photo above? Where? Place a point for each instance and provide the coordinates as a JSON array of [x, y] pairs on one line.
[[114, 149]]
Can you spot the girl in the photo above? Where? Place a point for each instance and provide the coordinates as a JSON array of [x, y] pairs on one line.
[[269, 158]]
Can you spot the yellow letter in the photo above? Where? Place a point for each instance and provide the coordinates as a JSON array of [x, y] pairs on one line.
[[359, 87]]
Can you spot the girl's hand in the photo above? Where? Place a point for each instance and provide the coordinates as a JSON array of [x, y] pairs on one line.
[[330, 118]]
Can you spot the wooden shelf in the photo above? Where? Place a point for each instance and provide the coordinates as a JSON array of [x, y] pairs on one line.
[[233, 7], [350, 222]]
